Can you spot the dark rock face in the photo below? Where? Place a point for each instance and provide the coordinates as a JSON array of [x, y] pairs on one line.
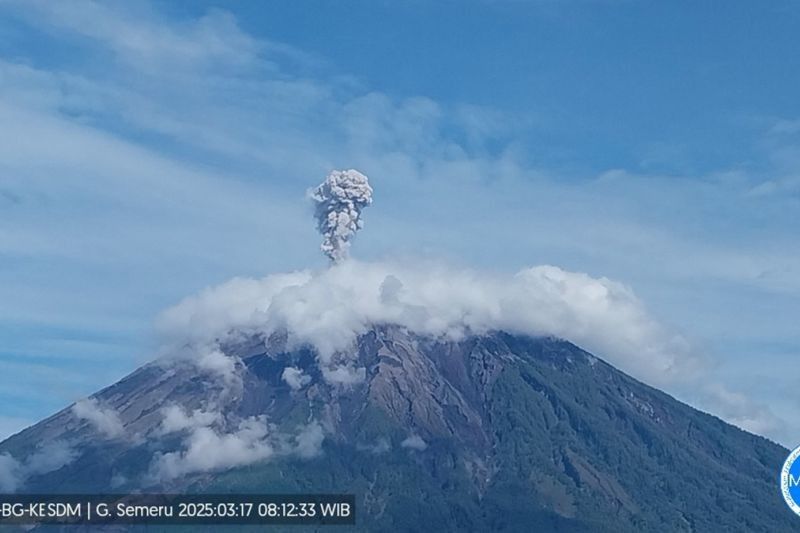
[[496, 432]]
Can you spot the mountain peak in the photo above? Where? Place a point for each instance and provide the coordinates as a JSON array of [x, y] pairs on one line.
[[501, 429]]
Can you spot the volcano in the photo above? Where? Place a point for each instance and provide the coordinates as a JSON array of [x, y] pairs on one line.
[[491, 432]]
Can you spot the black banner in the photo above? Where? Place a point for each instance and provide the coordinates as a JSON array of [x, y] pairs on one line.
[[178, 509]]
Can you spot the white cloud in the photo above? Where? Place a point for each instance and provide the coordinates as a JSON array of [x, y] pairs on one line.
[[213, 360], [11, 475], [345, 374], [177, 419], [381, 445], [48, 457], [414, 442], [103, 419], [740, 410], [208, 316], [329, 309], [308, 441], [209, 447], [295, 377], [213, 40], [210, 450]]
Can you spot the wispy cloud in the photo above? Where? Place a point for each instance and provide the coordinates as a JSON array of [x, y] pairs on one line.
[[48, 457], [103, 419]]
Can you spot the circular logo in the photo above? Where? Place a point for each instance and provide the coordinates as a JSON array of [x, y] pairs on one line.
[[790, 481]]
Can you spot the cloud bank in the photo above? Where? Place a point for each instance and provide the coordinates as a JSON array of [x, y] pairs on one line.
[[208, 446], [210, 450], [329, 309]]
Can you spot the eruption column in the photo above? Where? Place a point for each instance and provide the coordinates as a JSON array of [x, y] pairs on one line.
[[339, 202]]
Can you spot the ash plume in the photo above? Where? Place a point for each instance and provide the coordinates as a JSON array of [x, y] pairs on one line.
[[339, 202]]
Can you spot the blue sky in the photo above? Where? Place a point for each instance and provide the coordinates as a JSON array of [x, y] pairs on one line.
[[149, 150]]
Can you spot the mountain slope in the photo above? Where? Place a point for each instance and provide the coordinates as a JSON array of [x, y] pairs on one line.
[[492, 432]]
